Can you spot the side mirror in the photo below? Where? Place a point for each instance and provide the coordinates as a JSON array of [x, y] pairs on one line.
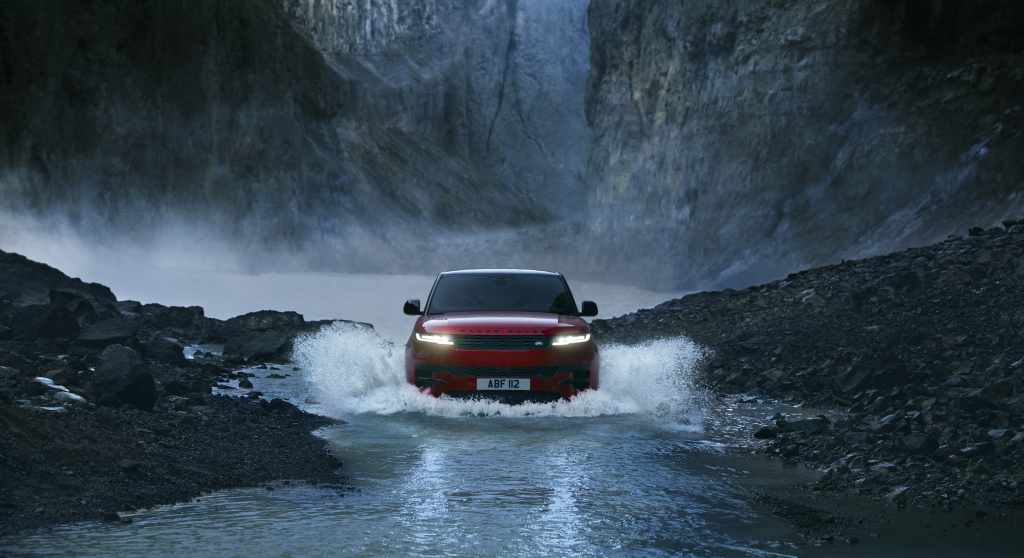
[[588, 308], [412, 307]]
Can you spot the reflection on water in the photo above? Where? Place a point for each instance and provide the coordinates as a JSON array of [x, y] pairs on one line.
[[428, 486]]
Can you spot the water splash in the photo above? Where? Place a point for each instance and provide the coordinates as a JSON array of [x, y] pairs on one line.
[[353, 370]]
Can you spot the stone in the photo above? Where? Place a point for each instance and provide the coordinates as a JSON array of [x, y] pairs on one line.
[[164, 349], [107, 332], [120, 379], [918, 444], [766, 432]]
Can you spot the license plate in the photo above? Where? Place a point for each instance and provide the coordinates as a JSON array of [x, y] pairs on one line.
[[512, 384]]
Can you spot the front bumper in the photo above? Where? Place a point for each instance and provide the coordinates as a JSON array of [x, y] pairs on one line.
[[560, 382], [554, 373]]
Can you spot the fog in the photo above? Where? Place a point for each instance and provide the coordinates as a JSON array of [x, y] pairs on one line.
[[185, 267]]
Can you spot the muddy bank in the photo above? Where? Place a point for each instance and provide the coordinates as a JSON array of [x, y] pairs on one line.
[[915, 360], [100, 411]]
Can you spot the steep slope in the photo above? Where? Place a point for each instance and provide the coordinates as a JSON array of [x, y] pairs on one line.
[[737, 141]]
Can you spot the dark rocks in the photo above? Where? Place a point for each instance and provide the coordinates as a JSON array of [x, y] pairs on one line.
[[921, 444], [766, 432], [155, 433], [122, 380], [114, 330], [916, 357], [263, 336], [164, 349]]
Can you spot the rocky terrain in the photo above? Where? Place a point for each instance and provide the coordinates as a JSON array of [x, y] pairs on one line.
[[909, 367], [100, 411], [737, 141]]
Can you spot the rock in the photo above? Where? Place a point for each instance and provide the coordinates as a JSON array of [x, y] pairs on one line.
[[997, 433], [129, 465], [183, 388], [176, 402], [887, 423], [244, 383], [976, 450], [898, 495], [263, 336], [276, 376], [57, 323], [267, 345], [121, 380], [107, 332], [68, 397], [997, 390], [766, 432], [918, 444], [815, 425], [164, 349]]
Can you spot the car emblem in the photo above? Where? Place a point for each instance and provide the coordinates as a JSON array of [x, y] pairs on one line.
[[538, 343]]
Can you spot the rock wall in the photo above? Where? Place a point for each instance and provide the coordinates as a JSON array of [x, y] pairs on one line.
[[335, 129], [738, 141], [499, 83]]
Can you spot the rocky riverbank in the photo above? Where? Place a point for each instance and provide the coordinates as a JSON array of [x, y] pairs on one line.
[[100, 411], [913, 364]]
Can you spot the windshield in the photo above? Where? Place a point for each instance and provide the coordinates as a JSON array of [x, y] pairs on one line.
[[508, 292]]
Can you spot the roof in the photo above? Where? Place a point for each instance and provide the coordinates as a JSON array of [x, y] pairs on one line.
[[498, 271]]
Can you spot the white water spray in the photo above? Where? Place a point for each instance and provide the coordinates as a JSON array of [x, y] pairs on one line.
[[353, 370]]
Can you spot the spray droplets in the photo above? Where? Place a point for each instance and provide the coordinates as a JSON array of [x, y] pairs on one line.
[[353, 370]]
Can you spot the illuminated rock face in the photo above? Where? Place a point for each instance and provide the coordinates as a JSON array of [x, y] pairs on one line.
[[500, 84], [736, 141]]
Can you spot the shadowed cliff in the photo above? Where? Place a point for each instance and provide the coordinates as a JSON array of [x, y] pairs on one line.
[[738, 141]]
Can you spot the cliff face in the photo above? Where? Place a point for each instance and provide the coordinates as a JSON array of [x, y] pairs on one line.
[[498, 83], [345, 126], [738, 141]]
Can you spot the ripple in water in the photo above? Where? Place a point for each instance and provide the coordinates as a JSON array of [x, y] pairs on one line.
[[354, 371]]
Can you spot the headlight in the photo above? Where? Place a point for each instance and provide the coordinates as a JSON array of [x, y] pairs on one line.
[[435, 339], [569, 339]]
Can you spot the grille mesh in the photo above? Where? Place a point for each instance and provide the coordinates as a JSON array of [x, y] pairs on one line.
[[501, 342]]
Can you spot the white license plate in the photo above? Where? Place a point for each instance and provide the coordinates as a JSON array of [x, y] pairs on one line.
[[512, 384]]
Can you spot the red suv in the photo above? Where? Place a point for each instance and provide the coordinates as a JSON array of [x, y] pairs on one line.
[[506, 334]]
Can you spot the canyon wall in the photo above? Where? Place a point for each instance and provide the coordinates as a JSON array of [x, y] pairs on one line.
[[333, 128], [737, 141]]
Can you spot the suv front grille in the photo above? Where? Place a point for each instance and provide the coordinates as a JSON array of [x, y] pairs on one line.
[[501, 342]]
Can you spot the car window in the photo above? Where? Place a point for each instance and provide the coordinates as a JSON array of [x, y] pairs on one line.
[[520, 292]]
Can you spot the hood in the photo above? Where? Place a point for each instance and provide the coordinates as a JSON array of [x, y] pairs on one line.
[[502, 323]]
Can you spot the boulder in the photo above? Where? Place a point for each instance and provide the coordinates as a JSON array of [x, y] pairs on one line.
[[265, 320], [107, 332], [165, 349], [266, 345], [121, 380]]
